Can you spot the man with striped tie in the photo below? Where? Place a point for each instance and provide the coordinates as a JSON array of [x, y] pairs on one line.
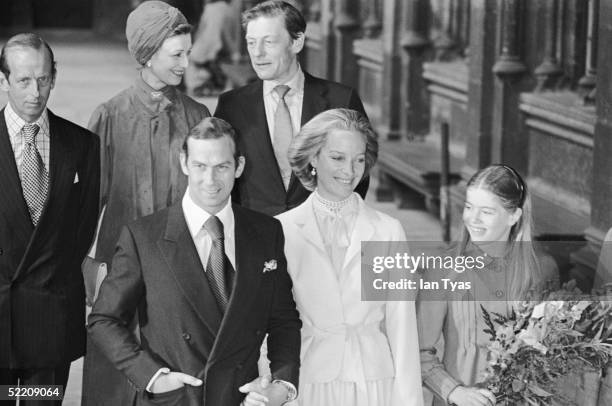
[[49, 188], [209, 280]]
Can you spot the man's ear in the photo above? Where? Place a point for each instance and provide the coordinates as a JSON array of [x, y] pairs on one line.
[[240, 166], [298, 43], [4, 83], [54, 76], [183, 159]]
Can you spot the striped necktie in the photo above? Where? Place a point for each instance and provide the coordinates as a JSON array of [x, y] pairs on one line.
[[215, 266], [34, 176]]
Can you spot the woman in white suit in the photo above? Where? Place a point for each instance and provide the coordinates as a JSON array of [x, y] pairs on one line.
[[354, 353]]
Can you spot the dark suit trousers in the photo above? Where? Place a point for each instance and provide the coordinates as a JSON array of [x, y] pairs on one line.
[[34, 376]]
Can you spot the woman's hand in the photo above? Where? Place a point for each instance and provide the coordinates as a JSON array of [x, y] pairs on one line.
[[469, 396]]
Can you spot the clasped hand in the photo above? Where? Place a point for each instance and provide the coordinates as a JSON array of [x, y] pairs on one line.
[[260, 392]]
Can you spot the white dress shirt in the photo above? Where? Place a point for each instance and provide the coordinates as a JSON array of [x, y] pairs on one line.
[[14, 124], [294, 99], [195, 217]]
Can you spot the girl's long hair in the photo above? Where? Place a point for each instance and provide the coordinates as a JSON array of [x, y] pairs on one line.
[[522, 264]]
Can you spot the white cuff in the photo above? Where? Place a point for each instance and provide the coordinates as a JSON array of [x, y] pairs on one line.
[[157, 374], [291, 391]]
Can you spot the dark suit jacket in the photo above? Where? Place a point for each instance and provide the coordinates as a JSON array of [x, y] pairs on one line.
[[157, 272], [42, 296], [260, 187]]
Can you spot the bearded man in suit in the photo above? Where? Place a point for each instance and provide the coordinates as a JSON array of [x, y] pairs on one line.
[[209, 280], [48, 214], [266, 114]]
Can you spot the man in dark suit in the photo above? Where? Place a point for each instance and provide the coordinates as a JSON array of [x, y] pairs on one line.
[[209, 280], [268, 112], [48, 212]]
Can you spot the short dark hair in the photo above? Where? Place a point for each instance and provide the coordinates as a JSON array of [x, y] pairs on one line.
[[294, 20], [24, 40], [212, 128]]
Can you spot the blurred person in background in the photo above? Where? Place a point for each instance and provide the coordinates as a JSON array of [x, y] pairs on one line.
[[214, 43]]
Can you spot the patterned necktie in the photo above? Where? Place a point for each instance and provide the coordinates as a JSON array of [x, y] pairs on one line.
[[215, 267], [34, 176], [283, 133]]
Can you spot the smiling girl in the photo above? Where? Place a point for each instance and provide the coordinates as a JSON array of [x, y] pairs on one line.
[[497, 227]]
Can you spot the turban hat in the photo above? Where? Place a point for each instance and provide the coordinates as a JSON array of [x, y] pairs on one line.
[[149, 25]]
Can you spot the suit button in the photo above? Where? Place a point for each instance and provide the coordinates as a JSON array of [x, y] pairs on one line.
[[186, 336], [258, 333], [239, 366], [499, 293]]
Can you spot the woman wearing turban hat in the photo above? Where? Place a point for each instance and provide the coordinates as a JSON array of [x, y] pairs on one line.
[[141, 130]]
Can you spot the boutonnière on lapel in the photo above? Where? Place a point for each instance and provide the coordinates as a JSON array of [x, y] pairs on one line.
[[269, 266]]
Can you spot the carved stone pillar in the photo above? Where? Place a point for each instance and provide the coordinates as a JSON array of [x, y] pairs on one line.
[[509, 61], [444, 42], [481, 81], [508, 141], [589, 80], [415, 42], [318, 55], [373, 25], [346, 30], [392, 70], [549, 70]]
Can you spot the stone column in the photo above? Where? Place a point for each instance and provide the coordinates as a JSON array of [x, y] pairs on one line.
[[481, 81], [414, 99], [346, 30], [391, 102], [508, 141]]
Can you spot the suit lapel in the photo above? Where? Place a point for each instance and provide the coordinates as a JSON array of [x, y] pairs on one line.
[[255, 109], [314, 103], [62, 163], [246, 285], [12, 196], [305, 219], [182, 258]]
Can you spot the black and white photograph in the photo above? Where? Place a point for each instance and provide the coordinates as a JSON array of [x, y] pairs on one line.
[[305, 203]]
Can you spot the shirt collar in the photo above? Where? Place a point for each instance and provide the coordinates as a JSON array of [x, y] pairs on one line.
[[295, 83], [17, 123], [195, 216], [155, 100]]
